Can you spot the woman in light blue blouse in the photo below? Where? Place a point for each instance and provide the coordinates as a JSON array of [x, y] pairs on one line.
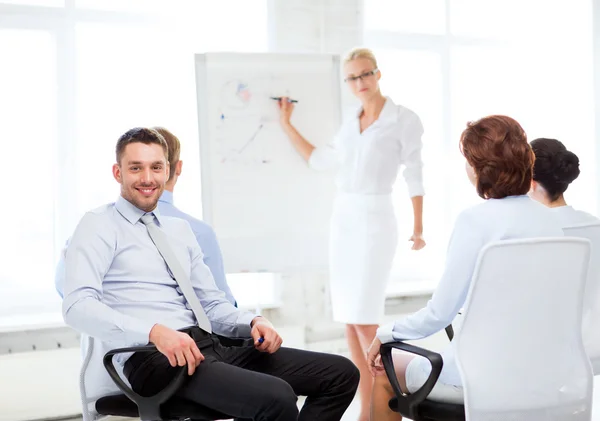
[[499, 163]]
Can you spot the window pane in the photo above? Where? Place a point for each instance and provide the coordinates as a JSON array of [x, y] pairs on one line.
[[423, 16], [414, 79], [143, 75], [129, 76], [47, 3], [28, 109], [538, 90], [140, 6], [516, 19], [234, 25]]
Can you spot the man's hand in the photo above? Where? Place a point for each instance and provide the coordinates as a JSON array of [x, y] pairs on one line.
[[374, 358], [263, 329], [178, 347]]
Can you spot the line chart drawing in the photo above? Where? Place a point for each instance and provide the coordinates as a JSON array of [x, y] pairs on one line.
[[246, 119]]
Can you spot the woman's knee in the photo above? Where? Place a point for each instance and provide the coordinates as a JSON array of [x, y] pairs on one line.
[[382, 382]]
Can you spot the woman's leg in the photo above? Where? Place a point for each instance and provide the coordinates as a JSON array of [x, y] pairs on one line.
[[359, 339], [383, 392]]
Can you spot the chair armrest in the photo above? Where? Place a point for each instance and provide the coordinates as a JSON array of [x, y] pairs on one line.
[[408, 403], [148, 407]]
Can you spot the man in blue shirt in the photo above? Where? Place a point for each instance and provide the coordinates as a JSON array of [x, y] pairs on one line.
[[204, 233], [133, 276]]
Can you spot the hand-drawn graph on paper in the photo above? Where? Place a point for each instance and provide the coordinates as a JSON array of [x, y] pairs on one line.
[[247, 117]]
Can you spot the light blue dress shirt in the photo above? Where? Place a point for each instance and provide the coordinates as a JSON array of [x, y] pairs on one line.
[[207, 239], [117, 285], [205, 235]]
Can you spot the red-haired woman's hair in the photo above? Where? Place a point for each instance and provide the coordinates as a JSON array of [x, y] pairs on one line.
[[497, 149]]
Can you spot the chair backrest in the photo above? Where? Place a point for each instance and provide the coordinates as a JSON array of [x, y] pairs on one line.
[[520, 350], [94, 381], [591, 301]]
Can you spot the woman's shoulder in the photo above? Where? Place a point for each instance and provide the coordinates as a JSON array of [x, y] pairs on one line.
[[570, 216], [491, 207], [403, 113]]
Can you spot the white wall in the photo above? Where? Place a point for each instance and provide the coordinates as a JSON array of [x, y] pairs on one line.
[[44, 384]]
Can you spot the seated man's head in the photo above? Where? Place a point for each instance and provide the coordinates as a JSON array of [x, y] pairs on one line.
[[499, 159], [555, 168], [142, 167], [175, 164]]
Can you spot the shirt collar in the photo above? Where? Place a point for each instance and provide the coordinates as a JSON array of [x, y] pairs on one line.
[[388, 112], [166, 197], [132, 213]]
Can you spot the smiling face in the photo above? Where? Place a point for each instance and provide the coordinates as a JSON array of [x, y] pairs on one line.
[[362, 76], [142, 172]]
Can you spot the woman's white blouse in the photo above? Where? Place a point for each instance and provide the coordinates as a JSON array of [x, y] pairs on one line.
[[368, 162]]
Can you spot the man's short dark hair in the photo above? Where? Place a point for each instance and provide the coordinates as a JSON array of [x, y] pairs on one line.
[[142, 135]]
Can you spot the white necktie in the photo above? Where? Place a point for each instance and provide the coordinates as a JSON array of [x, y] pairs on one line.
[[162, 244]]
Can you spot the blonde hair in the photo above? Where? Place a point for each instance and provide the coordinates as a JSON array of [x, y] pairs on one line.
[[174, 148], [361, 53]]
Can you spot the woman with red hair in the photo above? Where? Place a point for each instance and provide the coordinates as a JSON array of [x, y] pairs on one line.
[[499, 163]]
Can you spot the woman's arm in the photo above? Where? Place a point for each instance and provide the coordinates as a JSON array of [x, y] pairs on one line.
[[322, 158], [417, 237], [465, 243], [303, 146]]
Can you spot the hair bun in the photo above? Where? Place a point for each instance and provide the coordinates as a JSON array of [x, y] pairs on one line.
[[567, 167]]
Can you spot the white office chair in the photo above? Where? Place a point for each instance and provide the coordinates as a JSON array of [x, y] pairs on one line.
[[591, 303], [520, 349]]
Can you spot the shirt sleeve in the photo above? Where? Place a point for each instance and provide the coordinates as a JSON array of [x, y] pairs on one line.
[[463, 250], [226, 319], [326, 157], [87, 260], [411, 146], [213, 258]]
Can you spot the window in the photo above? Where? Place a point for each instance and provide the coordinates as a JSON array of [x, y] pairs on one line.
[[28, 106], [413, 78], [75, 78], [468, 59], [46, 3], [423, 17]]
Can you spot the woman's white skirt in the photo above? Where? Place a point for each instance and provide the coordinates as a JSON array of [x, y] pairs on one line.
[[362, 245]]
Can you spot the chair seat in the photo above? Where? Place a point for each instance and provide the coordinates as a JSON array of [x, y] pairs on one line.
[[436, 411], [173, 409]]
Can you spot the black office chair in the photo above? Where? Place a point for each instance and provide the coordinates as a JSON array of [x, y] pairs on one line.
[[161, 407], [416, 406]]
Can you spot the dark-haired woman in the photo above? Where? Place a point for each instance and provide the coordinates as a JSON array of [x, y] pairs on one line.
[[555, 168], [500, 165]]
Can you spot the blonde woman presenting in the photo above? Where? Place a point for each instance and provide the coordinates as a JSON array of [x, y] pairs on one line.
[[368, 151]]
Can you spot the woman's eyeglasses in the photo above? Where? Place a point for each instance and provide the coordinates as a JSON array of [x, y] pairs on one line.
[[365, 75]]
